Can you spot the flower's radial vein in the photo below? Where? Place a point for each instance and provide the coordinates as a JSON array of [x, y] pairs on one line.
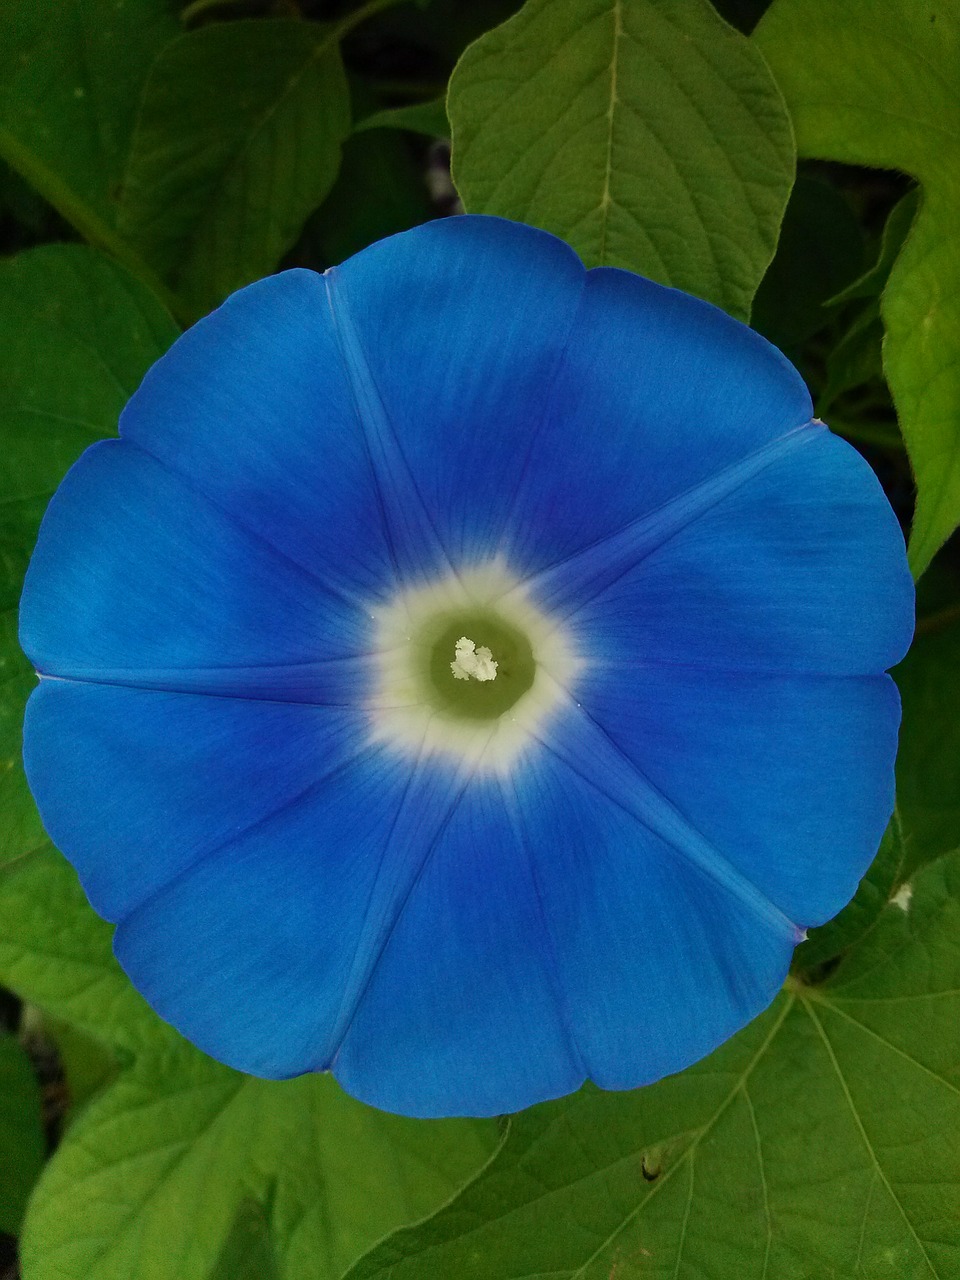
[[507, 788], [404, 858], [601, 763], [287, 690], [262, 823], [583, 576], [412, 533]]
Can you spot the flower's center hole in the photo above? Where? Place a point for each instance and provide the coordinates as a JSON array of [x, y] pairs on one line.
[[478, 665]]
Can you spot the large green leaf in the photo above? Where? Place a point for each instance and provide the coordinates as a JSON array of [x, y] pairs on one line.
[[77, 333], [647, 133], [151, 1178], [875, 84], [71, 74], [823, 1142], [238, 141], [22, 1142]]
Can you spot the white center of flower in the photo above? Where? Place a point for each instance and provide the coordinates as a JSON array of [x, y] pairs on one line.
[[471, 662], [407, 707]]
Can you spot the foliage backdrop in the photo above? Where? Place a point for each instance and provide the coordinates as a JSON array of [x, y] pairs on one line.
[[153, 159]]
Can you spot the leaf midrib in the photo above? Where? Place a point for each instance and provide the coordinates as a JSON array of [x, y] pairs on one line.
[[606, 200]]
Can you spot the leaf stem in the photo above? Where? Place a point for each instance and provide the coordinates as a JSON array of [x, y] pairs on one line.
[[368, 10], [938, 619], [199, 7]]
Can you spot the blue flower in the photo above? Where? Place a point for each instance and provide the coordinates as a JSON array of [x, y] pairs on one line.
[[466, 674]]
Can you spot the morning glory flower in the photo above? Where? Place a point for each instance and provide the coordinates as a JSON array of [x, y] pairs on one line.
[[465, 674]]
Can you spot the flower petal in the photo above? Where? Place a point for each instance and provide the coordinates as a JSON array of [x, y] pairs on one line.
[[138, 580], [141, 786], [463, 1014], [801, 569], [260, 950], [254, 407], [663, 949], [790, 777], [516, 426]]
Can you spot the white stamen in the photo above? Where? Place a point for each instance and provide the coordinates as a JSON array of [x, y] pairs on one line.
[[471, 662]]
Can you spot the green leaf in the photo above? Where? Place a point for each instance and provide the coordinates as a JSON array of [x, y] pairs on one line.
[[56, 953], [649, 135], [88, 1065], [238, 141], [71, 74], [20, 827], [150, 1180], [822, 1142], [872, 283], [21, 1133], [429, 118], [77, 333], [874, 85]]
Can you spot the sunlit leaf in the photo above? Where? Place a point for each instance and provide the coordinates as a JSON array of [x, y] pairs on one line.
[[152, 1176], [56, 953], [648, 134]]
